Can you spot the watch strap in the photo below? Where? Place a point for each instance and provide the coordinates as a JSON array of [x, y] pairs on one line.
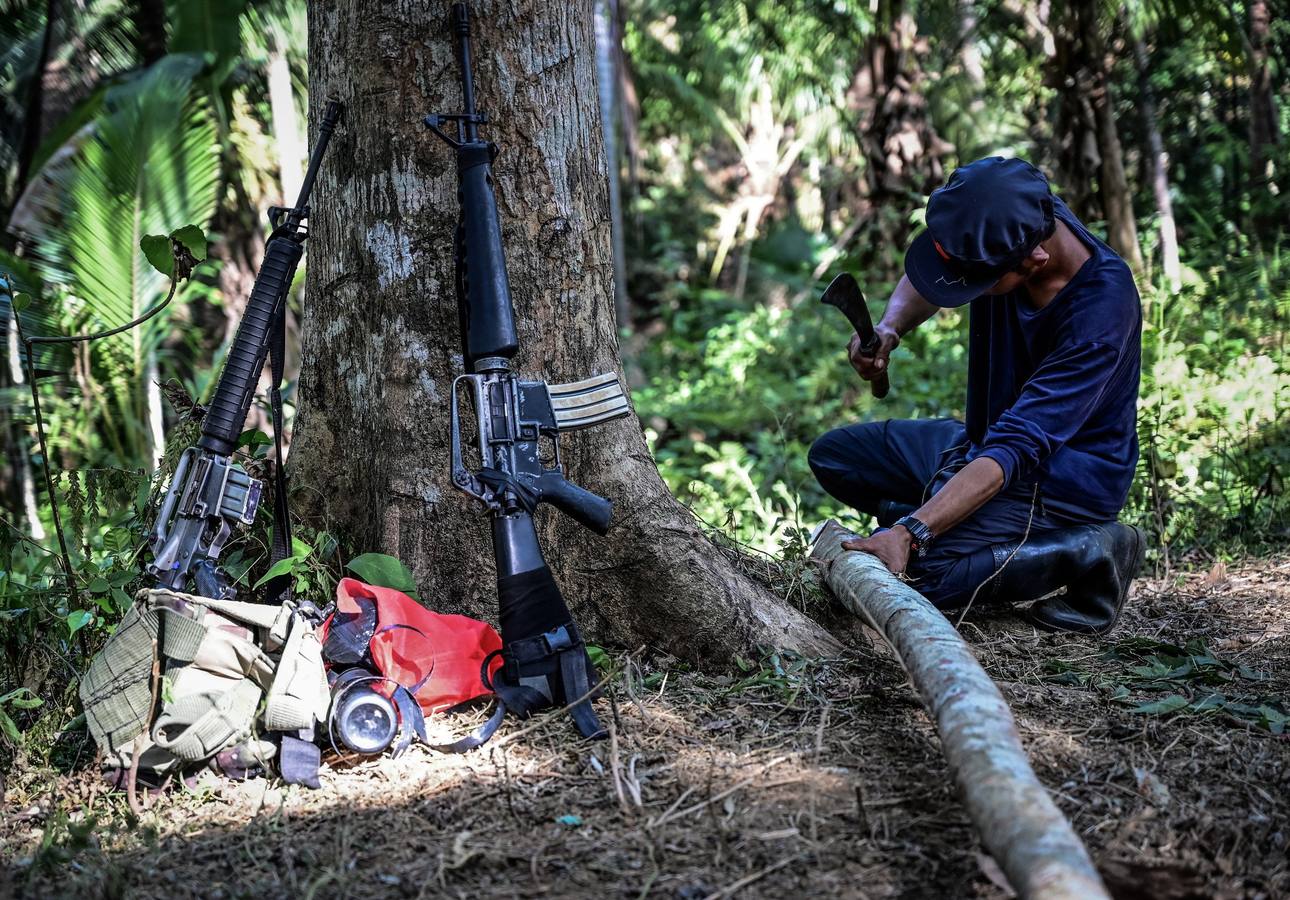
[[921, 536]]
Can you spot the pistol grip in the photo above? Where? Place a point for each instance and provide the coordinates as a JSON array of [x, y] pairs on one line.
[[580, 504]]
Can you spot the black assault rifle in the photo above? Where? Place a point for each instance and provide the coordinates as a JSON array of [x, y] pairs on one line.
[[210, 494], [545, 659]]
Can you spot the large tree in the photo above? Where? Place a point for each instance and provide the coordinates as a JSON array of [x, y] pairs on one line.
[[380, 330]]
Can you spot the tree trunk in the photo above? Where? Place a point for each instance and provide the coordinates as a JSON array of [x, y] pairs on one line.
[[1159, 171], [1264, 132], [1085, 132], [20, 491], [33, 126], [1018, 822], [149, 17], [380, 330], [1113, 185], [608, 41], [286, 127], [904, 155]]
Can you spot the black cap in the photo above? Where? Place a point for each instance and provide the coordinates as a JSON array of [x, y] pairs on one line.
[[988, 218]]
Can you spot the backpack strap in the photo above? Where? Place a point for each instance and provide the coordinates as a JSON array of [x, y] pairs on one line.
[[197, 726], [299, 696], [479, 736]]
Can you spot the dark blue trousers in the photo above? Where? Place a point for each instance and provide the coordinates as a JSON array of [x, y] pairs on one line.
[[905, 461]]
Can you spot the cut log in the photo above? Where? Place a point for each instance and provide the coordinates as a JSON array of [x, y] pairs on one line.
[[1018, 822]]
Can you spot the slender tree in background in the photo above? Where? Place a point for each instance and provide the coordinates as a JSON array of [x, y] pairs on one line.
[[1264, 130], [381, 339], [608, 44], [149, 17], [1090, 150], [904, 155], [33, 115], [1159, 167]]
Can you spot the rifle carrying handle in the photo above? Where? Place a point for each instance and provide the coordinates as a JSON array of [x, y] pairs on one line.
[[224, 420], [582, 505]]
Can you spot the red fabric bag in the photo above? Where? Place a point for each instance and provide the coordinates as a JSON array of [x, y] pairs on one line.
[[439, 658]]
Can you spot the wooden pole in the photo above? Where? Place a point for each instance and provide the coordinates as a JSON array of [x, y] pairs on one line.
[[1018, 822]]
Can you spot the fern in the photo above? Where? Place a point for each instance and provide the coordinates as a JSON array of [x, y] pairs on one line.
[[148, 164]]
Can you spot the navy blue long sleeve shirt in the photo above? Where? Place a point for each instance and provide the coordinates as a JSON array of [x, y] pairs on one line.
[[1052, 392]]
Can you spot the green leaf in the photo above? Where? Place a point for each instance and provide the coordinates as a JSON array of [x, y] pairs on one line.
[[117, 540], [598, 656], [1213, 701], [193, 238], [300, 547], [123, 601], [281, 567], [9, 728], [383, 571], [253, 438], [99, 585], [16, 694], [326, 544], [1273, 715], [77, 620], [157, 248], [21, 302], [1172, 703]]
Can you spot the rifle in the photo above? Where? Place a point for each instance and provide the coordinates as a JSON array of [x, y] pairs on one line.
[[545, 660], [210, 495]]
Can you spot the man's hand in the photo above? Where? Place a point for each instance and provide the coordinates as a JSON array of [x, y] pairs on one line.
[[891, 547], [870, 367]]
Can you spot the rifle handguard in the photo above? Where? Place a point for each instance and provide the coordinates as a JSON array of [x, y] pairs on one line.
[[582, 505], [222, 425]]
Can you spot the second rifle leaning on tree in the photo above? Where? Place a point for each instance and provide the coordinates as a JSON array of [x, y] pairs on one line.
[[544, 654], [211, 495]]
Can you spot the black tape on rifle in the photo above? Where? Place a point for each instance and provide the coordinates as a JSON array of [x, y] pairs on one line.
[[539, 640]]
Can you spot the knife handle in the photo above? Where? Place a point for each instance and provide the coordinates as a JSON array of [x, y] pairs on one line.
[[880, 386]]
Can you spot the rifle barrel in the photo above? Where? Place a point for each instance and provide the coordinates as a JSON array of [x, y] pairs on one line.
[[461, 25], [330, 117]]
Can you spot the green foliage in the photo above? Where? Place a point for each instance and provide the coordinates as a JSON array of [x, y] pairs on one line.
[[383, 570], [19, 698], [1197, 682], [151, 162], [184, 247], [738, 385]]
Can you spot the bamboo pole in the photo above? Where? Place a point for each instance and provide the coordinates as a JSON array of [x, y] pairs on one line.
[[1018, 822]]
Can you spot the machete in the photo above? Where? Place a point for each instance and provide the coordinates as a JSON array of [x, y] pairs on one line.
[[844, 293]]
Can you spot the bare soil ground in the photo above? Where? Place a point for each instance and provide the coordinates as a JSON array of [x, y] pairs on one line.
[[819, 779]]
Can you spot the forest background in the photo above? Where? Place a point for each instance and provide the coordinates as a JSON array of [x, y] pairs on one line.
[[762, 147]]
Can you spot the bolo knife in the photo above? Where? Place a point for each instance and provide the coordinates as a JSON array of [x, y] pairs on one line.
[[845, 294]]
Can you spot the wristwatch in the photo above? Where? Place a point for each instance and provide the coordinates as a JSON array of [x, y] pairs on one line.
[[922, 535]]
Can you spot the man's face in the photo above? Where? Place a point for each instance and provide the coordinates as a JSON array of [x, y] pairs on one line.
[[1027, 269]]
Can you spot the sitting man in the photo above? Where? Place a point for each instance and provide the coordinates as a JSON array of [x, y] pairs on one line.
[[1021, 500]]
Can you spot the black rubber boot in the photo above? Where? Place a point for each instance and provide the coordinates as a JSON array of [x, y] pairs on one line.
[[1095, 563]]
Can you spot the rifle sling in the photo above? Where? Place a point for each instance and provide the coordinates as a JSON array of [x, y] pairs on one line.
[[279, 589]]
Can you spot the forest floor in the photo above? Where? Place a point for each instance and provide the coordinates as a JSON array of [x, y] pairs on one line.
[[794, 778]]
